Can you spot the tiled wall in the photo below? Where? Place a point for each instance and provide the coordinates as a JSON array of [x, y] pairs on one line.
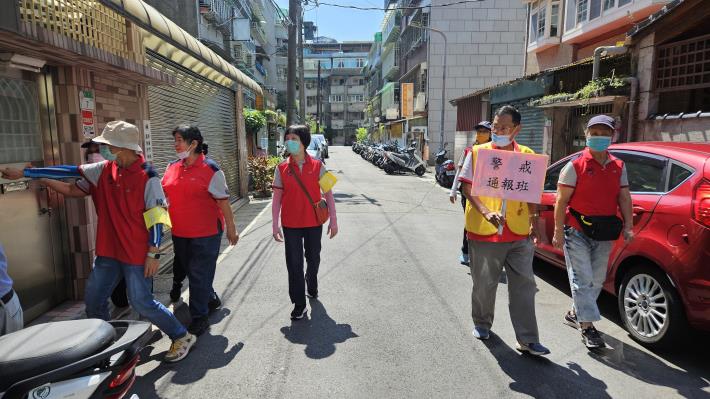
[[485, 47], [116, 99]]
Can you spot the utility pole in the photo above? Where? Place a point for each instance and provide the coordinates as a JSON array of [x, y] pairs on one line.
[[294, 11], [301, 80], [318, 101]]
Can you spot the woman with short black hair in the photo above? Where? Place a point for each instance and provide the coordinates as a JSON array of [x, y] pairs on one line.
[[199, 209], [299, 182]]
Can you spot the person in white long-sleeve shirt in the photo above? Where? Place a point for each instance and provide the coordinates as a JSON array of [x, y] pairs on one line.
[[11, 317], [483, 135]]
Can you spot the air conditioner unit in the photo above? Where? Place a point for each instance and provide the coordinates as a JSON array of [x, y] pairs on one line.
[[420, 103], [392, 114], [421, 129]]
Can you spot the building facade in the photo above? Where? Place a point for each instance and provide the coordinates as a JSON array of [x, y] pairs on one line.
[[342, 86], [63, 83], [669, 50], [483, 43]]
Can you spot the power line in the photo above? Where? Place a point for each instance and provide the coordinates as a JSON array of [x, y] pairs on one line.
[[455, 3]]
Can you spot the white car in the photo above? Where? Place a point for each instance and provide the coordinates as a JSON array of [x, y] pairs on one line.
[[315, 150], [323, 142]]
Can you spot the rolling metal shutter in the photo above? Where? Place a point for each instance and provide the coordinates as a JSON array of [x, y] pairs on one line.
[[196, 101], [533, 121]]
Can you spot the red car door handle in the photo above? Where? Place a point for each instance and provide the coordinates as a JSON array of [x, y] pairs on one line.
[[638, 209]]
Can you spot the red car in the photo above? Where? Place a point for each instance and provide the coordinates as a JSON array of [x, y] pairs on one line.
[[662, 277]]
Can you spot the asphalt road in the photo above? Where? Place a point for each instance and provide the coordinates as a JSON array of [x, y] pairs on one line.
[[393, 318]]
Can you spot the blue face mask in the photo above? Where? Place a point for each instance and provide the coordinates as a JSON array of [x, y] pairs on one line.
[[293, 146], [598, 143], [107, 154], [500, 140]]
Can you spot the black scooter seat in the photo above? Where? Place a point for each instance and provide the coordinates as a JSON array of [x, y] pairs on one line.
[[46, 347]]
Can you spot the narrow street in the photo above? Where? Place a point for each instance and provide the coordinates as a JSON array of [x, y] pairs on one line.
[[393, 318]]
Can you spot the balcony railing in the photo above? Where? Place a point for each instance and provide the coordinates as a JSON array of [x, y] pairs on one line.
[[391, 26], [243, 52], [83, 21], [258, 33], [585, 19], [390, 62], [218, 12]]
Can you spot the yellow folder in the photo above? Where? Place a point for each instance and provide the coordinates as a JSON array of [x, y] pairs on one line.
[[327, 182]]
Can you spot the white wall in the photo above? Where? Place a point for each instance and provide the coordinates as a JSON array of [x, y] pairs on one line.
[[485, 47]]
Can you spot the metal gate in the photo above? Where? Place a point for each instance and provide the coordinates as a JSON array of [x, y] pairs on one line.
[[533, 122], [196, 101], [30, 213]]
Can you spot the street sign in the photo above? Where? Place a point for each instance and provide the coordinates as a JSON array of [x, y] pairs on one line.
[[509, 175], [87, 106], [407, 91]]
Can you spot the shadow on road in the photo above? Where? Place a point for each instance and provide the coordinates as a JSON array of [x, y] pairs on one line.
[[354, 199], [538, 377], [209, 353], [319, 333], [690, 355], [649, 369]]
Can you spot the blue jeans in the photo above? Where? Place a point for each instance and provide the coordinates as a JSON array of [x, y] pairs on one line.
[[104, 278], [587, 262], [198, 257]]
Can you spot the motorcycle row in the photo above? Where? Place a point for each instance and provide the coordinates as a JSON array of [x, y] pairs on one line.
[[392, 158]]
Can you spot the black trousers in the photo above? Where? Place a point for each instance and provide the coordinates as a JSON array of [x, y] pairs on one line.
[[298, 241], [464, 246]]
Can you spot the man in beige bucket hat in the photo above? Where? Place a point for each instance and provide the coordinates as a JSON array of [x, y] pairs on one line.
[[130, 205]]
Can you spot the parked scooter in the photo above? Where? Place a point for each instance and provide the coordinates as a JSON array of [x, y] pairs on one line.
[[407, 161], [78, 359], [445, 169]]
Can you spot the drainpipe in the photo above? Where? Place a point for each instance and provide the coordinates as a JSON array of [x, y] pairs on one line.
[[527, 38], [605, 50], [634, 82]]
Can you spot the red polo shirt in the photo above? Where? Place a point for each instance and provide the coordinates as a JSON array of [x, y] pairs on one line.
[[296, 210], [192, 193], [121, 196], [596, 186]]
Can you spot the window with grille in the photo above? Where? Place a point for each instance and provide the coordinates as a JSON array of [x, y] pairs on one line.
[[683, 65], [597, 109], [582, 8], [554, 19]]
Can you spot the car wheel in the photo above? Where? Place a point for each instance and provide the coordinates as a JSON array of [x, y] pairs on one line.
[[420, 170], [650, 307]]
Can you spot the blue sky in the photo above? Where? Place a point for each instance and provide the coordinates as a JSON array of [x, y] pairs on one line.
[[344, 24]]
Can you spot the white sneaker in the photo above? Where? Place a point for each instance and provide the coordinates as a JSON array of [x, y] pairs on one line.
[[180, 348]]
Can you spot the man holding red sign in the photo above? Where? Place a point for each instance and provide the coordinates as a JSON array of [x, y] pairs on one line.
[[499, 227]]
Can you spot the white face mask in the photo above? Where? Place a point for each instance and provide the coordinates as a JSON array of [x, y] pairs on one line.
[[95, 157], [186, 153]]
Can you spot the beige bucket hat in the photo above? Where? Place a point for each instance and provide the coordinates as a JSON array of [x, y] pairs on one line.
[[120, 134]]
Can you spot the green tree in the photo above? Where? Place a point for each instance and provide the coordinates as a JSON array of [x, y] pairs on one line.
[[360, 134], [311, 123], [254, 120]]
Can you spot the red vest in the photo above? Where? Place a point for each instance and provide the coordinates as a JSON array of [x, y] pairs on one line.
[[193, 210], [119, 200], [296, 210], [597, 189]]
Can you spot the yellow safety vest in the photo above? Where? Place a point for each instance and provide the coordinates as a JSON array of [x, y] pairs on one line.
[[517, 217]]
